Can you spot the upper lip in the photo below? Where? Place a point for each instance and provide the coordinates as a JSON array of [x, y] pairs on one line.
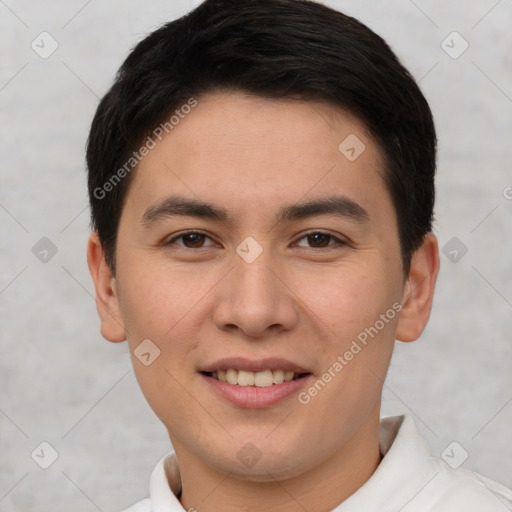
[[254, 365]]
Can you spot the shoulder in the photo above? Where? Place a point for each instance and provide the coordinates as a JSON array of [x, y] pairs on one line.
[[141, 506], [467, 490], [418, 481]]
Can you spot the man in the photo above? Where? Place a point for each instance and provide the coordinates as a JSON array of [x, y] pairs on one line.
[[261, 177]]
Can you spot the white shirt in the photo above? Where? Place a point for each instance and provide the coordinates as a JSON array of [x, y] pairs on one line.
[[408, 479]]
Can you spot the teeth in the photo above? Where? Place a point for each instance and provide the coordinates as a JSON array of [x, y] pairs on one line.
[[232, 376], [278, 376], [245, 378], [262, 379], [288, 375]]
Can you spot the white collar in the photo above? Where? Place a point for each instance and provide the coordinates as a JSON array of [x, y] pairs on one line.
[[404, 470]]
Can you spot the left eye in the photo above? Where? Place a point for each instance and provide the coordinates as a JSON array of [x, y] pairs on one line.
[[319, 239]]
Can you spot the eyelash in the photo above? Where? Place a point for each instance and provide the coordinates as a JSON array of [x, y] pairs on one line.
[[337, 240]]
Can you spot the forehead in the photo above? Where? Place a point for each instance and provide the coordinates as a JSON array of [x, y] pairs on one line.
[[251, 152]]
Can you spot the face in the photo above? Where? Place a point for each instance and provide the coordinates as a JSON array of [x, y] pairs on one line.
[[263, 264]]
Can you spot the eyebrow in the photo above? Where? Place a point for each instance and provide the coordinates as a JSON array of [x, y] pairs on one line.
[[172, 206]]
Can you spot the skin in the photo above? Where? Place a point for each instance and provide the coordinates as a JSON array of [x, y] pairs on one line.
[[302, 299]]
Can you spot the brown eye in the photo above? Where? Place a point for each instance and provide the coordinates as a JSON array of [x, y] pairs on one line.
[[319, 240], [191, 240]]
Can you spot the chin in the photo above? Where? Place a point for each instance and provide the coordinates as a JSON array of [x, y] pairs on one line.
[[264, 471], [267, 463]]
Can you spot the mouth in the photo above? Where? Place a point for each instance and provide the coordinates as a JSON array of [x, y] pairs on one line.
[[260, 379], [255, 384]]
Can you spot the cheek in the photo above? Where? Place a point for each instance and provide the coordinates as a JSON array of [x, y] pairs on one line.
[[355, 310], [157, 302], [161, 304], [348, 300], [162, 386]]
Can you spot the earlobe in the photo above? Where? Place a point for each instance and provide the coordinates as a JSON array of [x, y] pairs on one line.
[[107, 301], [419, 290]]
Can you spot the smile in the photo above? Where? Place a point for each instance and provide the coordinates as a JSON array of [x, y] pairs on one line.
[[261, 379]]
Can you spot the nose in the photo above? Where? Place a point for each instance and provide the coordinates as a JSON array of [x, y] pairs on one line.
[[255, 299]]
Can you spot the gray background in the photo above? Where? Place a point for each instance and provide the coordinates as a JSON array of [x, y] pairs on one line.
[[60, 382]]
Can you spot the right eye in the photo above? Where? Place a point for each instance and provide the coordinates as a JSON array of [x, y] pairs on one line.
[[189, 240]]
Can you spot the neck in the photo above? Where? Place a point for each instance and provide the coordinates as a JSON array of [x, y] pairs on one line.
[[320, 488]]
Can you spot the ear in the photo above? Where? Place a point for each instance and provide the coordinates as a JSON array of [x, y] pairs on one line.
[[419, 290], [107, 302]]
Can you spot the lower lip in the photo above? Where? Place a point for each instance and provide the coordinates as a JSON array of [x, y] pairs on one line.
[[252, 397]]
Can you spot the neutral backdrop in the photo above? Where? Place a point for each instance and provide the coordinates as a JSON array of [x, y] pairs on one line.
[[62, 384]]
